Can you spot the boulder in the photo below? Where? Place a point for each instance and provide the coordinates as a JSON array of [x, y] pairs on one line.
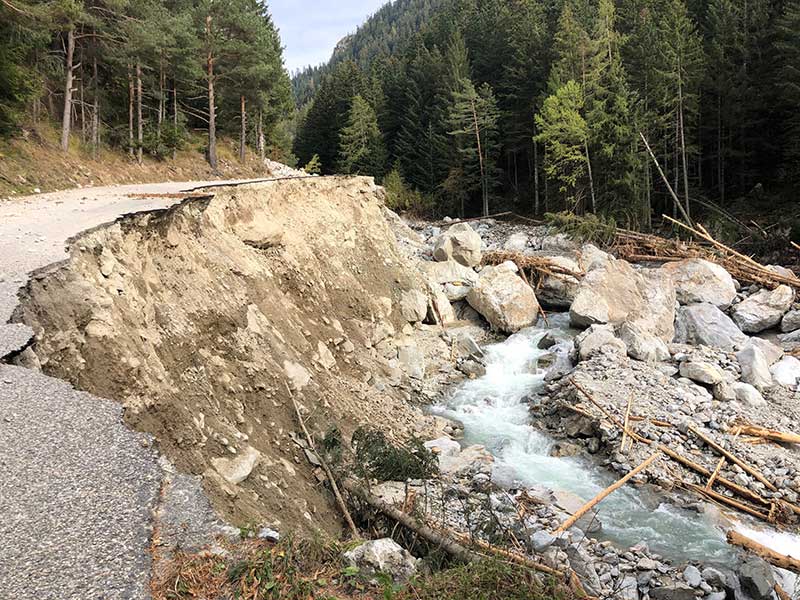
[[702, 372], [454, 279], [706, 325], [411, 360], [470, 461], [516, 242], [504, 299], [677, 591], [642, 345], [747, 394], [772, 352], [383, 556], [297, 374], [699, 281], [444, 446], [460, 243], [413, 306], [790, 321], [559, 291], [596, 338], [235, 470], [757, 578], [755, 367], [763, 309], [590, 257], [786, 372], [440, 309], [617, 293]]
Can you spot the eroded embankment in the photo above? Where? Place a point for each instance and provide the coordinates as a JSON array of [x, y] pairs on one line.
[[203, 317]]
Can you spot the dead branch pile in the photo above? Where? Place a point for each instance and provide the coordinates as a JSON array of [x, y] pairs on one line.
[[536, 267]]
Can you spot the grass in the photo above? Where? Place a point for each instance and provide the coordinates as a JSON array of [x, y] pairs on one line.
[[306, 569]]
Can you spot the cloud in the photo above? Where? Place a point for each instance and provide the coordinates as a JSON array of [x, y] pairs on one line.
[[310, 29]]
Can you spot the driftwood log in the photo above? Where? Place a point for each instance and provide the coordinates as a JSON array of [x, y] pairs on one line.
[[779, 560], [768, 434]]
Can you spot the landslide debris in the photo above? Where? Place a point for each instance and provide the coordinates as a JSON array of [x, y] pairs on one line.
[[204, 319]]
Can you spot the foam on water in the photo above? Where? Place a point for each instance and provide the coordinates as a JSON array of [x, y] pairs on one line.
[[494, 412]]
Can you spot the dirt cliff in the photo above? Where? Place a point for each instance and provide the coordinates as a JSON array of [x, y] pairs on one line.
[[206, 318]]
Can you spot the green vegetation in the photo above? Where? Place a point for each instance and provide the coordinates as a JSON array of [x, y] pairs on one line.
[[556, 94], [141, 75], [377, 458]]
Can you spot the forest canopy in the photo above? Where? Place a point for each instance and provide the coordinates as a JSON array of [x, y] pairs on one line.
[[140, 74], [550, 105]]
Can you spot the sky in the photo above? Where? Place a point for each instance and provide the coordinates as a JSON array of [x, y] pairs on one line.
[[310, 29]]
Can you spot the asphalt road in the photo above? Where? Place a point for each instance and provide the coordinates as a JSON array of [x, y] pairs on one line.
[[77, 487]]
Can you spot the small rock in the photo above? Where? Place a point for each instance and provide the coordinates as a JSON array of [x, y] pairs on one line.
[[383, 556], [702, 372], [692, 576], [542, 540]]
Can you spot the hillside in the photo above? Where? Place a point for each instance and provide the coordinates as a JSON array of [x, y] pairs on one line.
[[565, 96]]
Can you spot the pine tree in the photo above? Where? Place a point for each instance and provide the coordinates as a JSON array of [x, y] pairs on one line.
[[788, 52], [361, 144], [474, 118]]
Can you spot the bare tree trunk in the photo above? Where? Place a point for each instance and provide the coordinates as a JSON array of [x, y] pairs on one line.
[[684, 158], [175, 115], [243, 132], [82, 100], [676, 162], [95, 109], [66, 119], [262, 145], [130, 111], [139, 123], [591, 177], [161, 99], [535, 178], [720, 163], [484, 185], [212, 117]]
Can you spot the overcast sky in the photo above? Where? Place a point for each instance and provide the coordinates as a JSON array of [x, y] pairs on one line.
[[310, 29]]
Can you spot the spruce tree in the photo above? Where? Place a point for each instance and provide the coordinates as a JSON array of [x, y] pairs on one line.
[[361, 146], [788, 52]]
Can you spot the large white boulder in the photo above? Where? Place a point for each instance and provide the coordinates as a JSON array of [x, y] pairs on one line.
[[786, 372], [706, 325], [763, 309], [235, 470], [413, 306], [643, 345], [755, 367], [597, 338], [772, 352], [517, 242], [702, 372], [460, 243], [747, 394], [504, 299], [453, 279], [590, 257], [700, 281], [383, 556], [617, 293], [559, 291], [790, 321]]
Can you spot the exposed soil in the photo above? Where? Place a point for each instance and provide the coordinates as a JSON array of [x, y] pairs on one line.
[[201, 317]]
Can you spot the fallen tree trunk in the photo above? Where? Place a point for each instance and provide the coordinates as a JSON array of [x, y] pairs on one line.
[[606, 492], [772, 557], [768, 434]]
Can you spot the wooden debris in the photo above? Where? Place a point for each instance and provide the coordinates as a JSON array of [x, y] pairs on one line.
[[539, 266], [734, 459], [772, 557], [782, 595], [626, 422], [715, 474], [768, 434], [722, 499], [606, 492]]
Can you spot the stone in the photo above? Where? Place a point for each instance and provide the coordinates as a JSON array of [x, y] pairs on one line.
[[646, 564], [440, 308], [470, 461], [383, 556], [702, 372], [297, 374], [453, 279], [472, 368], [713, 577], [772, 352], [617, 293], [235, 470], [559, 291], [596, 338], [324, 356], [516, 242], [699, 281], [747, 394], [786, 372], [572, 503], [763, 309], [413, 306], [706, 325], [107, 263], [464, 344], [504, 299], [757, 578], [383, 330], [628, 588], [460, 243], [755, 367], [692, 576], [542, 540], [790, 321], [590, 257], [724, 392], [265, 533], [678, 591], [642, 345], [412, 361], [444, 446], [582, 563]]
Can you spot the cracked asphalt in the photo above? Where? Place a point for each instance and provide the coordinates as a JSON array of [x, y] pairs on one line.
[[77, 487]]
